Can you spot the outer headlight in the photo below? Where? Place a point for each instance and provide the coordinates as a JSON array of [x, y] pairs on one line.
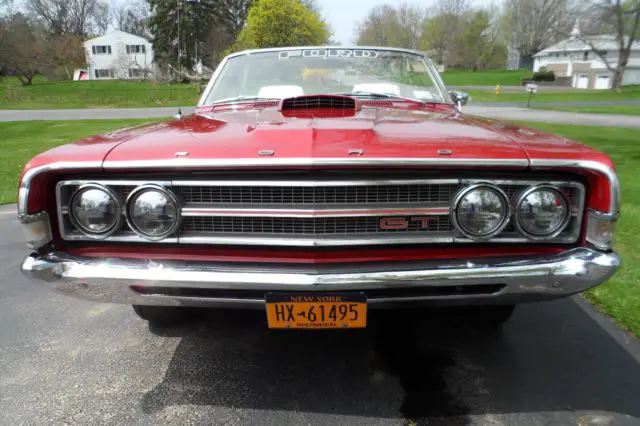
[[542, 212], [481, 211], [153, 212], [95, 210]]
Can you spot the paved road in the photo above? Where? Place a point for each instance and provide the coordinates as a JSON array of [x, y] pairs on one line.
[[501, 113], [74, 362], [559, 117]]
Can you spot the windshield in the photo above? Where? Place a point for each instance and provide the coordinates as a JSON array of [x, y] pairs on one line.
[[301, 71]]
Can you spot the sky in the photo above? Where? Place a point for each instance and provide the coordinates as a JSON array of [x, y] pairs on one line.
[[344, 15]]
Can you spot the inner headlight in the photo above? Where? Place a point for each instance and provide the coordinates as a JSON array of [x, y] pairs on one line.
[[95, 210], [542, 212], [153, 212], [481, 211]]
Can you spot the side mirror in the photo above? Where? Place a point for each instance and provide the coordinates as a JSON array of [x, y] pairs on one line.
[[459, 98]]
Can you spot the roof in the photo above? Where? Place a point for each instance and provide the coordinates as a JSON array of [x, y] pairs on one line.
[[573, 44], [123, 33]]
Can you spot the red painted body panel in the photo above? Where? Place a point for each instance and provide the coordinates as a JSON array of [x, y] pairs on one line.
[[338, 255], [379, 132]]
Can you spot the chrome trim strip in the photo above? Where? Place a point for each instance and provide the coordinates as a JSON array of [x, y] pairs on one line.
[[25, 183], [525, 278], [315, 241], [608, 172], [313, 212], [313, 183], [178, 163]]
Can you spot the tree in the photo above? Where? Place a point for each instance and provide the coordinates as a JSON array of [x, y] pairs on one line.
[[533, 25], [615, 21], [16, 32], [181, 27], [133, 18], [389, 26], [278, 23], [443, 28], [78, 17], [479, 44], [28, 49]]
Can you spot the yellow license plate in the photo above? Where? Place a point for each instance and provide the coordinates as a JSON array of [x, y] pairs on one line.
[[316, 311]]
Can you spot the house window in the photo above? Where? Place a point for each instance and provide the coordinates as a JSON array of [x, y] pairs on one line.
[[136, 73], [101, 50], [136, 48], [104, 73], [585, 56]]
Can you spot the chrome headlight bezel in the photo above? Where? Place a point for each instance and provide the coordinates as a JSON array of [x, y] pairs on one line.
[[118, 216], [131, 198], [497, 230], [549, 235]]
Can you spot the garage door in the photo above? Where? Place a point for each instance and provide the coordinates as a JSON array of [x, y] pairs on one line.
[[583, 81], [631, 76], [603, 81]]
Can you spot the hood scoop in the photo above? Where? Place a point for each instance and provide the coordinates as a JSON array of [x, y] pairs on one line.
[[319, 106]]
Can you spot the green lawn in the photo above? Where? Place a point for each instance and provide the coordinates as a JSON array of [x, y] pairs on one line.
[[619, 298], [21, 140], [94, 94], [632, 92], [485, 77], [612, 109]]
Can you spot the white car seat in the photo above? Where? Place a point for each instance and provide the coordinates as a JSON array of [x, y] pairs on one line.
[[280, 92]]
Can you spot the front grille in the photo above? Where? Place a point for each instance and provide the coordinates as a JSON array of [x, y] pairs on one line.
[[308, 226], [365, 194], [321, 212]]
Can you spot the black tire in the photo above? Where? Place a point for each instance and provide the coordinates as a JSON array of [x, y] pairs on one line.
[[493, 316], [161, 315]]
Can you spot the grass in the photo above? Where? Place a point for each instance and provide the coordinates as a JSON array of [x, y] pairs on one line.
[[613, 109], [94, 94], [619, 298], [21, 140], [628, 93], [485, 77]]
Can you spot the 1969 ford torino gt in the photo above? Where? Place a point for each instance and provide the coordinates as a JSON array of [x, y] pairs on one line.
[[317, 183]]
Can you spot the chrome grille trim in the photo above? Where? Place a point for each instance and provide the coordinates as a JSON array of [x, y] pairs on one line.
[[315, 223]]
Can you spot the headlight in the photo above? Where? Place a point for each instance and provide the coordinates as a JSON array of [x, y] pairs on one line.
[[481, 211], [542, 212], [95, 210], [153, 212]]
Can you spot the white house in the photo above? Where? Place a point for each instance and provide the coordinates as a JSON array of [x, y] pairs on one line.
[[574, 58], [119, 55]]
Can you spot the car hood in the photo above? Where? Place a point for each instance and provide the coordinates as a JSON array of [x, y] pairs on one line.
[[371, 133]]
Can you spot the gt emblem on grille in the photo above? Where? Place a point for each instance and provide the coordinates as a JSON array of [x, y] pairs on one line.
[[266, 152], [421, 222]]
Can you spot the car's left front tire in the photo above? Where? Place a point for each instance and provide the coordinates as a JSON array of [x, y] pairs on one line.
[[162, 316]]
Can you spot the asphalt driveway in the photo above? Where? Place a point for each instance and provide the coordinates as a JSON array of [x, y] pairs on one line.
[[74, 362]]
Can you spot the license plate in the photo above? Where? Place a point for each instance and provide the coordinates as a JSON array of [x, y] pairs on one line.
[[316, 311]]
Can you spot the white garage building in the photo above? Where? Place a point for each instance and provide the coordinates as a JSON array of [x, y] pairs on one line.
[[119, 55], [574, 58]]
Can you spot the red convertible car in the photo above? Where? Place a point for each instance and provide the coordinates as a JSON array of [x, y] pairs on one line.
[[316, 183]]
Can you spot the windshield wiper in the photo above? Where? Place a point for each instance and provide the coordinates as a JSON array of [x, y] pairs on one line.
[[243, 99]]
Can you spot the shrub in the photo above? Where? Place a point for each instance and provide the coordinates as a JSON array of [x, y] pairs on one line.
[[544, 75]]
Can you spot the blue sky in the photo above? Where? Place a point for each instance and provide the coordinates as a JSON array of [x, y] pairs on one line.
[[344, 15]]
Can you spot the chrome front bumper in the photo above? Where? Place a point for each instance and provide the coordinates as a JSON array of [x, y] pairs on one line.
[[148, 282]]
